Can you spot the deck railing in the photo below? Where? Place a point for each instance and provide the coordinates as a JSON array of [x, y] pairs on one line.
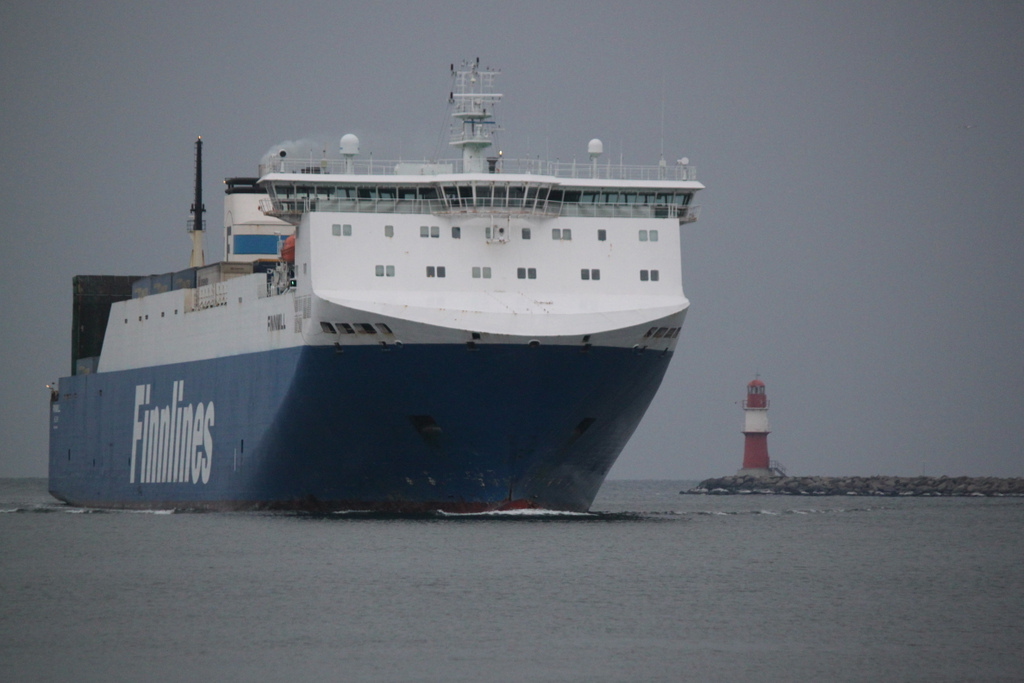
[[557, 169]]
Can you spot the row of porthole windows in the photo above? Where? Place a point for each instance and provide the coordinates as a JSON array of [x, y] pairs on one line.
[[521, 273], [666, 332], [434, 231], [354, 328]]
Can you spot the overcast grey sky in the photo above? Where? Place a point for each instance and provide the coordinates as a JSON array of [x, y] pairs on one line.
[[860, 243]]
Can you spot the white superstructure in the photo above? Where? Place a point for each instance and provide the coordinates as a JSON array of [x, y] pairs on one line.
[[481, 250]]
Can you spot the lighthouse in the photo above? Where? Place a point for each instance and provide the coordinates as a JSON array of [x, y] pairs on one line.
[[755, 431]]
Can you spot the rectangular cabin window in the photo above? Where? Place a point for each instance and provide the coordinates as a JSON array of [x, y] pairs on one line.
[[476, 272], [487, 272], [389, 231], [556, 234], [456, 232], [595, 274], [643, 235], [336, 229], [366, 328], [654, 235], [566, 234], [430, 271], [424, 231], [526, 233], [389, 271], [346, 230], [346, 328], [654, 276], [440, 271], [585, 274], [327, 327], [378, 271], [487, 233], [521, 273], [602, 235], [645, 275], [384, 328], [531, 273], [435, 231]]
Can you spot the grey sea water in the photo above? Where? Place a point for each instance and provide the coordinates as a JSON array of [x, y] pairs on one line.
[[654, 586]]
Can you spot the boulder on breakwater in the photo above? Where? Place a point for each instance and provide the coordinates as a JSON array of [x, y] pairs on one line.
[[863, 486]]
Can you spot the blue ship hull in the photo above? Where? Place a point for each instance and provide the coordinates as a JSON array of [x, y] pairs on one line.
[[421, 427]]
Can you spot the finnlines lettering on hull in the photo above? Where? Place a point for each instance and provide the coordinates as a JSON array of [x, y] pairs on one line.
[[459, 334], [172, 443]]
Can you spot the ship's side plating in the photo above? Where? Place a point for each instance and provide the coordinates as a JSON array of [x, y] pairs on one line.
[[442, 340]]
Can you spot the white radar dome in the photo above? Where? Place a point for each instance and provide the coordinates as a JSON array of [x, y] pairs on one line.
[[349, 144], [595, 147]]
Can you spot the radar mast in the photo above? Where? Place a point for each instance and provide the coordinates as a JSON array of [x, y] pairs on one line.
[[474, 99]]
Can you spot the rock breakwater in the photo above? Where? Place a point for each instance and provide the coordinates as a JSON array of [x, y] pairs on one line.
[[863, 486]]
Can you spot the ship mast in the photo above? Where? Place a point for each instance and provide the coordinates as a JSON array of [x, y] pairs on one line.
[[474, 102], [196, 225]]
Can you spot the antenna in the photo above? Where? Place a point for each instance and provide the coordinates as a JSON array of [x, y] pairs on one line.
[[661, 157], [197, 225]]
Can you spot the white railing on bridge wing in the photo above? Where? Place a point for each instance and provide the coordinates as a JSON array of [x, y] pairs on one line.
[[558, 169]]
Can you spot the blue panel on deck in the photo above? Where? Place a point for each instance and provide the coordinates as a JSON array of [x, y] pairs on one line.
[[256, 244]]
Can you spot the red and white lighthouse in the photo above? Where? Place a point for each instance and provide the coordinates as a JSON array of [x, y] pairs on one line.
[[755, 431]]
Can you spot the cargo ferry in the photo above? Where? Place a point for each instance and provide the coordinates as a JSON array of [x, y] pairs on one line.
[[466, 334]]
